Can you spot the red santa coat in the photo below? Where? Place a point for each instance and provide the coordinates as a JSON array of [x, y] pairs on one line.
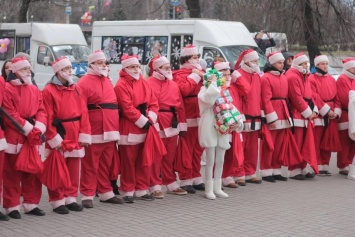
[[299, 90], [344, 84], [3, 144], [56, 100], [168, 95], [130, 94], [189, 84], [97, 91], [274, 92], [325, 87], [251, 103], [21, 102]]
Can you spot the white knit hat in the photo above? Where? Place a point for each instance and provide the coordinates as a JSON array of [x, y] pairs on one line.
[[95, 56], [221, 65], [19, 63], [320, 58], [159, 61], [189, 50], [299, 59], [60, 63], [275, 57], [127, 60], [348, 63], [246, 56]]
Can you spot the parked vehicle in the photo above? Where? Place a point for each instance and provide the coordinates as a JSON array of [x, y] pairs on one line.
[[213, 38], [45, 42]]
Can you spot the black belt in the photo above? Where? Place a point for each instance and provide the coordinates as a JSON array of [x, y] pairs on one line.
[[59, 126], [174, 120], [346, 110], [252, 118], [310, 103], [143, 109], [31, 120], [289, 110], [102, 106]]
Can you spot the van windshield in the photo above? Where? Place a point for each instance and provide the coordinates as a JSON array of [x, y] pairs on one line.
[[75, 53], [232, 53]]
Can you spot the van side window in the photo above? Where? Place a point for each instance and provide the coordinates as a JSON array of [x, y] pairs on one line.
[[155, 45], [44, 51], [7, 44], [175, 50], [209, 54], [187, 39], [23, 44]]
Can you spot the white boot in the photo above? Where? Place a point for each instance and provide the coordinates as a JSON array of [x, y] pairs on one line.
[[209, 190], [351, 174], [217, 189]]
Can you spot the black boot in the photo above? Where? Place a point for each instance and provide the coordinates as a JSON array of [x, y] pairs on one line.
[[115, 187], [4, 217]]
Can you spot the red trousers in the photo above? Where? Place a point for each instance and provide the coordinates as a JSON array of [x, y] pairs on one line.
[[192, 153], [323, 157], [299, 135], [2, 157], [17, 183], [115, 167], [167, 165], [271, 159], [96, 167], [250, 145], [345, 157], [73, 165], [134, 176]]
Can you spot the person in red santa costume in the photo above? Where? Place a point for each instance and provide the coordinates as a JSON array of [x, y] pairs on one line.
[[329, 108], [172, 123], [274, 97], [99, 96], [68, 123], [139, 111], [23, 101], [344, 84], [188, 78], [304, 109], [250, 107], [3, 145]]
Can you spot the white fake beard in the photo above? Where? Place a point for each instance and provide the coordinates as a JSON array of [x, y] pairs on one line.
[[255, 67], [133, 74], [67, 76], [301, 69], [100, 71], [26, 77], [195, 63], [167, 74]]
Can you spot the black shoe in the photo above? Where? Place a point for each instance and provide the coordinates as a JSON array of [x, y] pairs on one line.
[[74, 206], [269, 178], [200, 187], [36, 212], [310, 175], [327, 173], [344, 172], [15, 214], [146, 197], [298, 177], [322, 173], [61, 210], [114, 187], [113, 200], [254, 180], [4, 217], [188, 189], [128, 199], [279, 177], [87, 203]]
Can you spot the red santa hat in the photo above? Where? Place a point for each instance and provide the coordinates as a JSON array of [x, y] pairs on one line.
[[95, 56], [275, 57], [221, 65], [320, 58], [299, 59], [19, 63], [348, 63], [189, 50], [60, 63], [127, 60], [246, 56]]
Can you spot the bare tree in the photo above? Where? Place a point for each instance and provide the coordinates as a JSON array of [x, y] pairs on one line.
[[194, 8]]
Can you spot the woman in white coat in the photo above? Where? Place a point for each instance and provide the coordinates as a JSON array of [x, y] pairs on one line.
[[209, 138]]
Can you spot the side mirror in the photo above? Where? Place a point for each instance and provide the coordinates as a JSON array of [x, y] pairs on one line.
[[46, 61]]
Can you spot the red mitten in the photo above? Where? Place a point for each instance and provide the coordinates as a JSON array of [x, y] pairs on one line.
[[34, 137]]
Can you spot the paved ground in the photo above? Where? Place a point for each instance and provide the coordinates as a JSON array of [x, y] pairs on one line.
[[320, 207]]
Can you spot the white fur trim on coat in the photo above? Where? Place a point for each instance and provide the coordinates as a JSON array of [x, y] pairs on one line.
[[111, 136], [84, 138], [324, 110], [337, 111], [351, 111], [271, 117], [3, 144], [195, 77], [41, 126], [153, 116], [141, 121], [55, 141], [307, 112], [27, 127], [13, 148]]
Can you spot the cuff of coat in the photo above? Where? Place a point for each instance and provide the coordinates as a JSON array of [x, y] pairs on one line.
[[41, 126], [55, 141], [324, 110], [271, 117], [183, 127], [141, 121], [307, 112], [85, 138], [153, 116], [235, 75], [27, 128], [195, 77], [315, 109], [337, 111]]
